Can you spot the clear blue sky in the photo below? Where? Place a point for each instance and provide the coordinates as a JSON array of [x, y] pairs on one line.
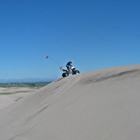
[[95, 34]]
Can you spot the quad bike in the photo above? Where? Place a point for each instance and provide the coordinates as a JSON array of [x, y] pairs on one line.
[[72, 71]]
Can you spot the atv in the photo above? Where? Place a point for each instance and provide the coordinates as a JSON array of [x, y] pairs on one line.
[[72, 71]]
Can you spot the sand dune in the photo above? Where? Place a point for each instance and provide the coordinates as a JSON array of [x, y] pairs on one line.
[[101, 105], [11, 95]]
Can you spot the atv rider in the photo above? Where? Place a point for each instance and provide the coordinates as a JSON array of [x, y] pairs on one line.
[[69, 65]]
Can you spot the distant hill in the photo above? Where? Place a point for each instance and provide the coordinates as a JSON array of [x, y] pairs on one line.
[[25, 84]]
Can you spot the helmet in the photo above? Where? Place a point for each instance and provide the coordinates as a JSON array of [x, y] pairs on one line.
[[70, 62]]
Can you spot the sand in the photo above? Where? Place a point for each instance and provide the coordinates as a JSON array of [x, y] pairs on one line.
[[11, 95], [102, 105]]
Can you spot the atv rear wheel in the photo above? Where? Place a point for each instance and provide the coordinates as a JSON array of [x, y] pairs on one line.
[[64, 75]]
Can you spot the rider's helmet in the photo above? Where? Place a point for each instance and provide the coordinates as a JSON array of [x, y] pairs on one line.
[[70, 63]]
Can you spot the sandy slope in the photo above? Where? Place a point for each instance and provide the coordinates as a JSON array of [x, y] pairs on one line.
[[11, 95], [93, 106]]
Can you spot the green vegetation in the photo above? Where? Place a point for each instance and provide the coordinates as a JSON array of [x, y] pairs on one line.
[[30, 85]]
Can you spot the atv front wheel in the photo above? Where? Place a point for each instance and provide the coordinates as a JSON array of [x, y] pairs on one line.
[[76, 72]]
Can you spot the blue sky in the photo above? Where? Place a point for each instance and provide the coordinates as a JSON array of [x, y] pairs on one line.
[[95, 34]]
